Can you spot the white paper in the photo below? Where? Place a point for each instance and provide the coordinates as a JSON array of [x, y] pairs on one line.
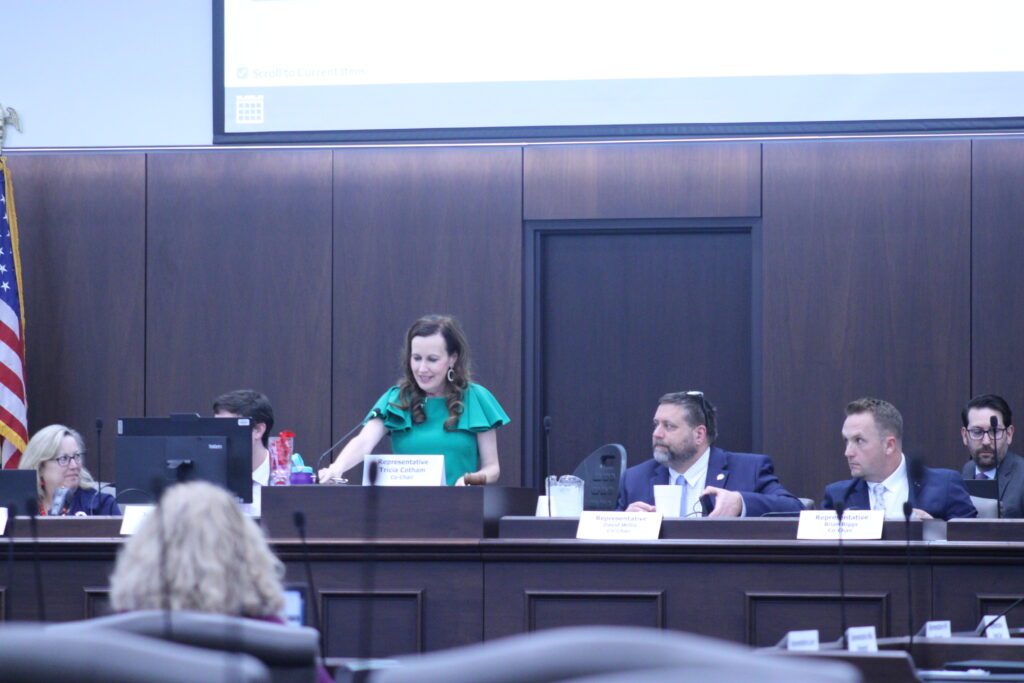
[[619, 526], [938, 629], [802, 641], [823, 525], [861, 638], [998, 629], [3, 520], [406, 470], [133, 518]]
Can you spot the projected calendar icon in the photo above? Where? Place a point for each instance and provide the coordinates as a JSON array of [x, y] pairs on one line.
[[249, 109]]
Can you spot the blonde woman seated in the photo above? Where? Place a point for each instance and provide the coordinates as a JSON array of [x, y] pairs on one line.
[[215, 559], [56, 454], [198, 552]]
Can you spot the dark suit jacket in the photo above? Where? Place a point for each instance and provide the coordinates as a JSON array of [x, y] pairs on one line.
[[1011, 483], [940, 493], [748, 473], [85, 501]]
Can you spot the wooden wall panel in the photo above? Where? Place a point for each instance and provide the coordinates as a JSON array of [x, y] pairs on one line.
[[422, 231], [642, 180], [82, 228], [629, 315], [239, 284], [866, 292], [997, 289]]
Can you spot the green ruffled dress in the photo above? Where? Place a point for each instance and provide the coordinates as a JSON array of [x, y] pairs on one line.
[[482, 413]]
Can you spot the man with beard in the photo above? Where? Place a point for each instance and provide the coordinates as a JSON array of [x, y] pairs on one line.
[[988, 446], [685, 428]]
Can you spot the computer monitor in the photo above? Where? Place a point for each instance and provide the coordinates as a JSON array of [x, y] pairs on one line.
[[157, 452], [18, 489]]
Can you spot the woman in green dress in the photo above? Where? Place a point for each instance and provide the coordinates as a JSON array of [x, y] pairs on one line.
[[434, 408]]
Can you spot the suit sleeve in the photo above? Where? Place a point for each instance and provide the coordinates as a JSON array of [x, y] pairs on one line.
[[958, 500], [826, 500], [769, 495]]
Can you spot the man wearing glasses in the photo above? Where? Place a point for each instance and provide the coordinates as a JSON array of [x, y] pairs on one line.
[[988, 444], [738, 484]]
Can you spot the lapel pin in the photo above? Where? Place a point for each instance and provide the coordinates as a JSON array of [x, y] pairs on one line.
[[720, 477]]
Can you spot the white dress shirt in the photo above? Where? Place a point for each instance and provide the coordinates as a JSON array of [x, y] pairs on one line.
[[693, 480], [260, 478], [897, 491]]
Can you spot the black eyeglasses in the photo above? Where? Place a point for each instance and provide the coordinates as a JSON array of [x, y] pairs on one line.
[[703, 406], [65, 460], [995, 433]]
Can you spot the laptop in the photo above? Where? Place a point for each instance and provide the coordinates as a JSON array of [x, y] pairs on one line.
[[982, 488]]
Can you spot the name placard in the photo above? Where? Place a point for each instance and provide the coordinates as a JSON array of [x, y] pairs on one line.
[[800, 641], [618, 526], [3, 520], [134, 515], [823, 525], [998, 630], [937, 629], [861, 638], [405, 470]]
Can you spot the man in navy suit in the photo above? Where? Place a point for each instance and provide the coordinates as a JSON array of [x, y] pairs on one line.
[[882, 480], [741, 484]]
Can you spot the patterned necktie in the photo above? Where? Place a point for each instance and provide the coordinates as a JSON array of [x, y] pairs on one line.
[[879, 503]]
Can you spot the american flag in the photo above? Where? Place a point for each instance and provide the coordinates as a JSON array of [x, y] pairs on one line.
[[13, 420]]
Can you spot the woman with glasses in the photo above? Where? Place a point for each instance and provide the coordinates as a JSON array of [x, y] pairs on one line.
[[56, 454]]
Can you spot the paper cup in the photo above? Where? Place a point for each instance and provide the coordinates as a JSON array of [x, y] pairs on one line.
[[668, 499]]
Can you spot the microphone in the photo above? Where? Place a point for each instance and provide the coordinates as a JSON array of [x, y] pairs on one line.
[[547, 460], [1001, 615], [157, 487], [99, 466], [299, 519], [375, 413], [994, 423], [840, 508], [11, 513], [59, 496], [31, 507], [908, 510]]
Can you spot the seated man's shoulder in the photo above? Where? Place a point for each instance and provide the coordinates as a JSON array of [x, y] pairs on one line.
[[756, 459], [647, 467]]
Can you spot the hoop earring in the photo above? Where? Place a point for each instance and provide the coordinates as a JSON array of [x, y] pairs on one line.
[[451, 374]]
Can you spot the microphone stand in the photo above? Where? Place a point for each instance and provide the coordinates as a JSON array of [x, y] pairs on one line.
[[547, 461], [99, 466], [36, 562], [1001, 615], [908, 510], [840, 509]]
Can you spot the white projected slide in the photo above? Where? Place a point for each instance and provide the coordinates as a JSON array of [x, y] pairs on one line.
[[307, 65]]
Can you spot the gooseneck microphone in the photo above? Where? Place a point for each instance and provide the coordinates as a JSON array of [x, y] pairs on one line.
[[840, 508], [1001, 615], [11, 513], [375, 413], [994, 424], [31, 507], [299, 519], [908, 510], [99, 466], [547, 460]]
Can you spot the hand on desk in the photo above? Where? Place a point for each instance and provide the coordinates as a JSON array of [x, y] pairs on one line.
[[640, 506], [727, 503], [921, 515]]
